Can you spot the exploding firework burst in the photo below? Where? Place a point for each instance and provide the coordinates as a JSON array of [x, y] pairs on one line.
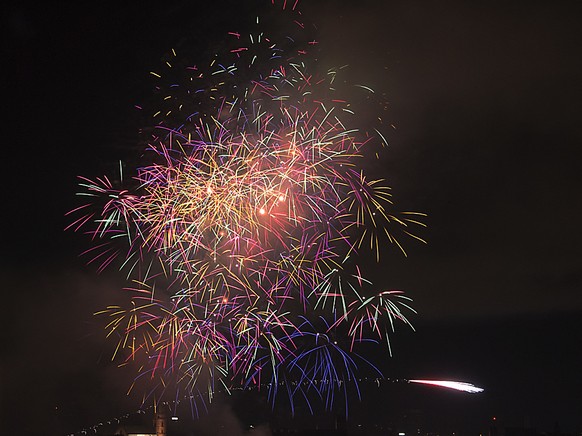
[[241, 233]]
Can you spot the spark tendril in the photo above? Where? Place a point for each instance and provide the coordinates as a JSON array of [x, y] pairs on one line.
[[241, 233]]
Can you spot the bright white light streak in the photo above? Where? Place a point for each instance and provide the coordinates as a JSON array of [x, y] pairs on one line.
[[459, 386]]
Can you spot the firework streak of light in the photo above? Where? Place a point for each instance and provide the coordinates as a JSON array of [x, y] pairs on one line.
[[241, 234], [458, 386]]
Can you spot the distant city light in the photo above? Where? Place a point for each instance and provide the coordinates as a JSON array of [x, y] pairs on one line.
[[459, 386]]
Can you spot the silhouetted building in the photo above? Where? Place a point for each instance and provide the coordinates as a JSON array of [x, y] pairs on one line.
[[159, 427]]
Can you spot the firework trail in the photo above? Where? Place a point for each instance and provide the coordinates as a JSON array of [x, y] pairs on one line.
[[458, 386], [241, 233]]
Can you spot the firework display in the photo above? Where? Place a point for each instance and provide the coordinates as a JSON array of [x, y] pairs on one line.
[[242, 231]]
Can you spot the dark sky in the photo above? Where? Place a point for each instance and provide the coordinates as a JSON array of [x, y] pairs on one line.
[[486, 103]]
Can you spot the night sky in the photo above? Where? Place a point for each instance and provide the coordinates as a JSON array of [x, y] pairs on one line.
[[486, 103]]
